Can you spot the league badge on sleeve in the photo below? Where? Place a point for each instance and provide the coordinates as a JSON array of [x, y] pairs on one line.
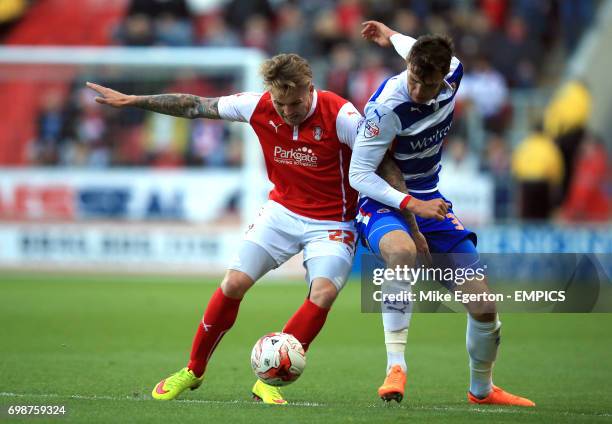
[[370, 129]]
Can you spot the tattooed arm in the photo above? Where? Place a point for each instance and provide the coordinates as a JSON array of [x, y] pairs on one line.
[[390, 172], [181, 105]]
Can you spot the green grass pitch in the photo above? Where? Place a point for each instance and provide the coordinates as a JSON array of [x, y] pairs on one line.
[[98, 344]]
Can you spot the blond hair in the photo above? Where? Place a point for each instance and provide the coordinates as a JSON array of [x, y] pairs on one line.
[[285, 72]]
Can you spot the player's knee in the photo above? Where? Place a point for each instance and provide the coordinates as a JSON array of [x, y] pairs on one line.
[[235, 284], [323, 293], [400, 254], [485, 315], [482, 310]]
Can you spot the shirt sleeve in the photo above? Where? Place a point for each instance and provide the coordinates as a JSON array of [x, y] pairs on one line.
[[238, 107], [347, 123], [374, 136], [402, 44]]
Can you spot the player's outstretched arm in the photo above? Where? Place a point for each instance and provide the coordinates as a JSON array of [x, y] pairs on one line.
[[377, 32], [181, 105], [381, 34]]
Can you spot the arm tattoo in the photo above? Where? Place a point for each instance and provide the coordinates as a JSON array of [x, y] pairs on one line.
[[411, 220], [181, 105], [390, 172]]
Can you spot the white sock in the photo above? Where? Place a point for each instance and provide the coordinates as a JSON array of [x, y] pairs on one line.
[[482, 341], [395, 342], [396, 319]]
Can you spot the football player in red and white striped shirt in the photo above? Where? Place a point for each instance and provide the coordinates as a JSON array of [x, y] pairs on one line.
[[306, 136]]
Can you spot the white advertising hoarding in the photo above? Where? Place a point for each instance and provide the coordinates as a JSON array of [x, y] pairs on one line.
[[125, 248], [133, 195]]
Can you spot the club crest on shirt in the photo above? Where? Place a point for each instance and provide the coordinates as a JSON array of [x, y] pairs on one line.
[[317, 133], [383, 210], [370, 129]]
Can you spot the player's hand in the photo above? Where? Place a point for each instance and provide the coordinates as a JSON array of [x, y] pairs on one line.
[[429, 209], [377, 32], [422, 247], [109, 96]]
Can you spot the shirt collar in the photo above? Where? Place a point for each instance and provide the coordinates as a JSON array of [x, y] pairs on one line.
[[445, 93], [313, 106]]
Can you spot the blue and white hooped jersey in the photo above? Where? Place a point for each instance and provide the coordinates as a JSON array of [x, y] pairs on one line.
[[414, 132], [419, 128]]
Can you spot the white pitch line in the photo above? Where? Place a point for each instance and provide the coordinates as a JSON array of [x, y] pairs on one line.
[[456, 409], [471, 409], [143, 399], [492, 410], [308, 404]]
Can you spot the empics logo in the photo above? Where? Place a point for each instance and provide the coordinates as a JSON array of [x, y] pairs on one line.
[[302, 156]]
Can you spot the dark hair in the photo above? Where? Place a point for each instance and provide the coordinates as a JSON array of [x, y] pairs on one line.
[[431, 53]]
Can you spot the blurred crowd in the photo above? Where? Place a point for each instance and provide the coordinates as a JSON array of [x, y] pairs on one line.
[[504, 46], [562, 170], [74, 130], [10, 12]]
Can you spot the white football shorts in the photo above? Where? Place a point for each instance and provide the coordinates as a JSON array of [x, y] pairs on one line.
[[329, 246]]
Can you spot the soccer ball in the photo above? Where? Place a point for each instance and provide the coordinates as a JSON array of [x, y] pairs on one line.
[[278, 359]]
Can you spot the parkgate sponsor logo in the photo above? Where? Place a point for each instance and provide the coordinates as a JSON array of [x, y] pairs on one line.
[[302, 156]]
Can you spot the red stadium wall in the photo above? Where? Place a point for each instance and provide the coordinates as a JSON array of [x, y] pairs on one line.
[[49, 22]]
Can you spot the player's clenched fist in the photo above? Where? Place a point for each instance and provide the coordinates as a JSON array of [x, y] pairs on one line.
[[435, 208], [110, 97], [377, 32]]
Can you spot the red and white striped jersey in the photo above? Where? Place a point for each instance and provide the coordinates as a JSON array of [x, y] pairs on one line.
[[307, 163]]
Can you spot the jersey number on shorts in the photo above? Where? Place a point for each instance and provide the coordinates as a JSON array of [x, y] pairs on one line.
[[343, 236], [455, 221]]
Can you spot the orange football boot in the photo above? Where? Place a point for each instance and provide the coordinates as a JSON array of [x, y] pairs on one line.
[[393, 386], [500, 397]]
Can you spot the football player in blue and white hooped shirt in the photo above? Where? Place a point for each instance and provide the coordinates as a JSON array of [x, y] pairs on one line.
[[409, 115]]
